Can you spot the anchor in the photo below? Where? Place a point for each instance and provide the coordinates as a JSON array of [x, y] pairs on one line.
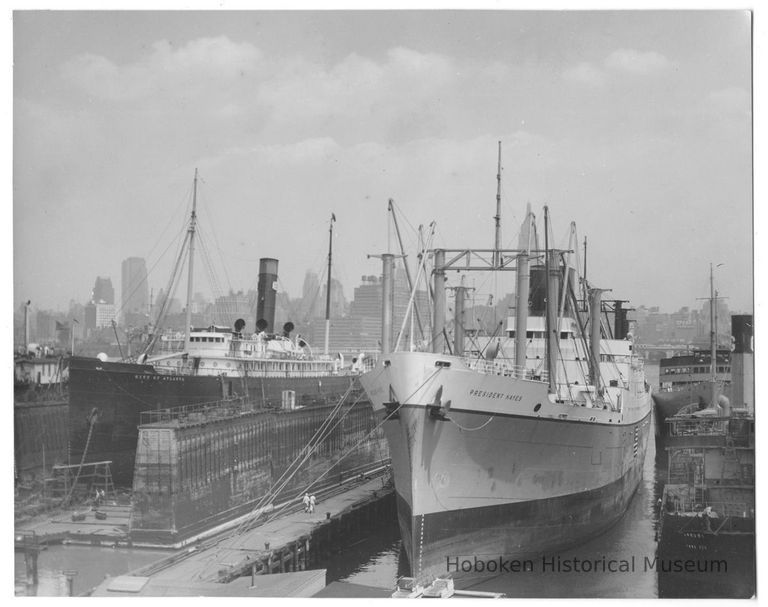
[[438, 411]]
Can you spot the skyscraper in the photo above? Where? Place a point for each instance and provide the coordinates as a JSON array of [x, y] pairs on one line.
[[103, 292], [135, 290]]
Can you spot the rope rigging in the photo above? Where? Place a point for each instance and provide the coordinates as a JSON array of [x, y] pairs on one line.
[[245, 525]]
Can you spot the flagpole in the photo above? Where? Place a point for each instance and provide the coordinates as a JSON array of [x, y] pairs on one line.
[[328, 287]]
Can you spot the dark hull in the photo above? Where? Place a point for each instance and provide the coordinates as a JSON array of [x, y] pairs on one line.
[[667, 404], [694, 562], [119, 392]]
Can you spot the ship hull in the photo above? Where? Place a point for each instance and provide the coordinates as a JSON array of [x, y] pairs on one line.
[[488, 480], [695, 562], [468, 540], [669, 403], [119, 392]]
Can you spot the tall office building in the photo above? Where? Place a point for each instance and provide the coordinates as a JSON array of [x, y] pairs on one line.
[[361, 329], [135, 290], [103, 292]]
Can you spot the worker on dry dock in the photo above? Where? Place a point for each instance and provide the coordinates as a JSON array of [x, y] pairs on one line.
[[306, 502], [312, 503], [707, 515]]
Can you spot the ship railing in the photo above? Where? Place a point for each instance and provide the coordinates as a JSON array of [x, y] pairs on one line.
[[505, 369], [199, 411], [709, 426], [719, 509], [735, 428], [680, 499]]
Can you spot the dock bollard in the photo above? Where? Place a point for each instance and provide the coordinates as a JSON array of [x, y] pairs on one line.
[[70, 575]]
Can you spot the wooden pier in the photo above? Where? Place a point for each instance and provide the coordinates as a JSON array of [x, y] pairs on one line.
[[289, 541]]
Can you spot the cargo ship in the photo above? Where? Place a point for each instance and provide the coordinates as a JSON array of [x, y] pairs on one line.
[[256, 366], [532, 443]]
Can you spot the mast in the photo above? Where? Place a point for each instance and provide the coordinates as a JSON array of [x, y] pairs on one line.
[[405, 265], [328, 288], [595, 304], [712, 340], [550, 318], [191, 234], [497, 217], [584, 284], [388, 260], [522, 293]]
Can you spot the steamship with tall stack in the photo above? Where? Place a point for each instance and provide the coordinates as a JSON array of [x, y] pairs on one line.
[[530, 441], [217, 368]]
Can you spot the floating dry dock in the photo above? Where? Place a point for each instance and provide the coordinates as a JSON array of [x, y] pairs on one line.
[[197, 467]]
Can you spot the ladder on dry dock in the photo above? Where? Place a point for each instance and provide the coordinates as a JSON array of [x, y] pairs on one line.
[[66, 482]]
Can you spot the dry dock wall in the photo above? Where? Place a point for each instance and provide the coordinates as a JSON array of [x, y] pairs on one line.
[[192, 475], [40, 437]]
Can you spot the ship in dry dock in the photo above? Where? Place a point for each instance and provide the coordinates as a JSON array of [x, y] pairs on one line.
[[250, 369], [532, 443]]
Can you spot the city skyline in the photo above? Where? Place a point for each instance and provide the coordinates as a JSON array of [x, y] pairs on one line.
[[637, 125]]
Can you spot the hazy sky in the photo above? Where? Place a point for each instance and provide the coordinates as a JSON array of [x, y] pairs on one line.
[[636, 125]]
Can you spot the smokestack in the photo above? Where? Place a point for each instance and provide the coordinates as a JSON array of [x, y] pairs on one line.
[[620, 323], [458, 319], [267, 292], [742, 362], [537, 291]]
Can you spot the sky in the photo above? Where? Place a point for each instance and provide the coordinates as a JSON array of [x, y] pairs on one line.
[[637, 125]]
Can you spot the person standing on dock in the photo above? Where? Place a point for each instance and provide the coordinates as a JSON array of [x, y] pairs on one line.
[[312, 504], [306, 502]]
